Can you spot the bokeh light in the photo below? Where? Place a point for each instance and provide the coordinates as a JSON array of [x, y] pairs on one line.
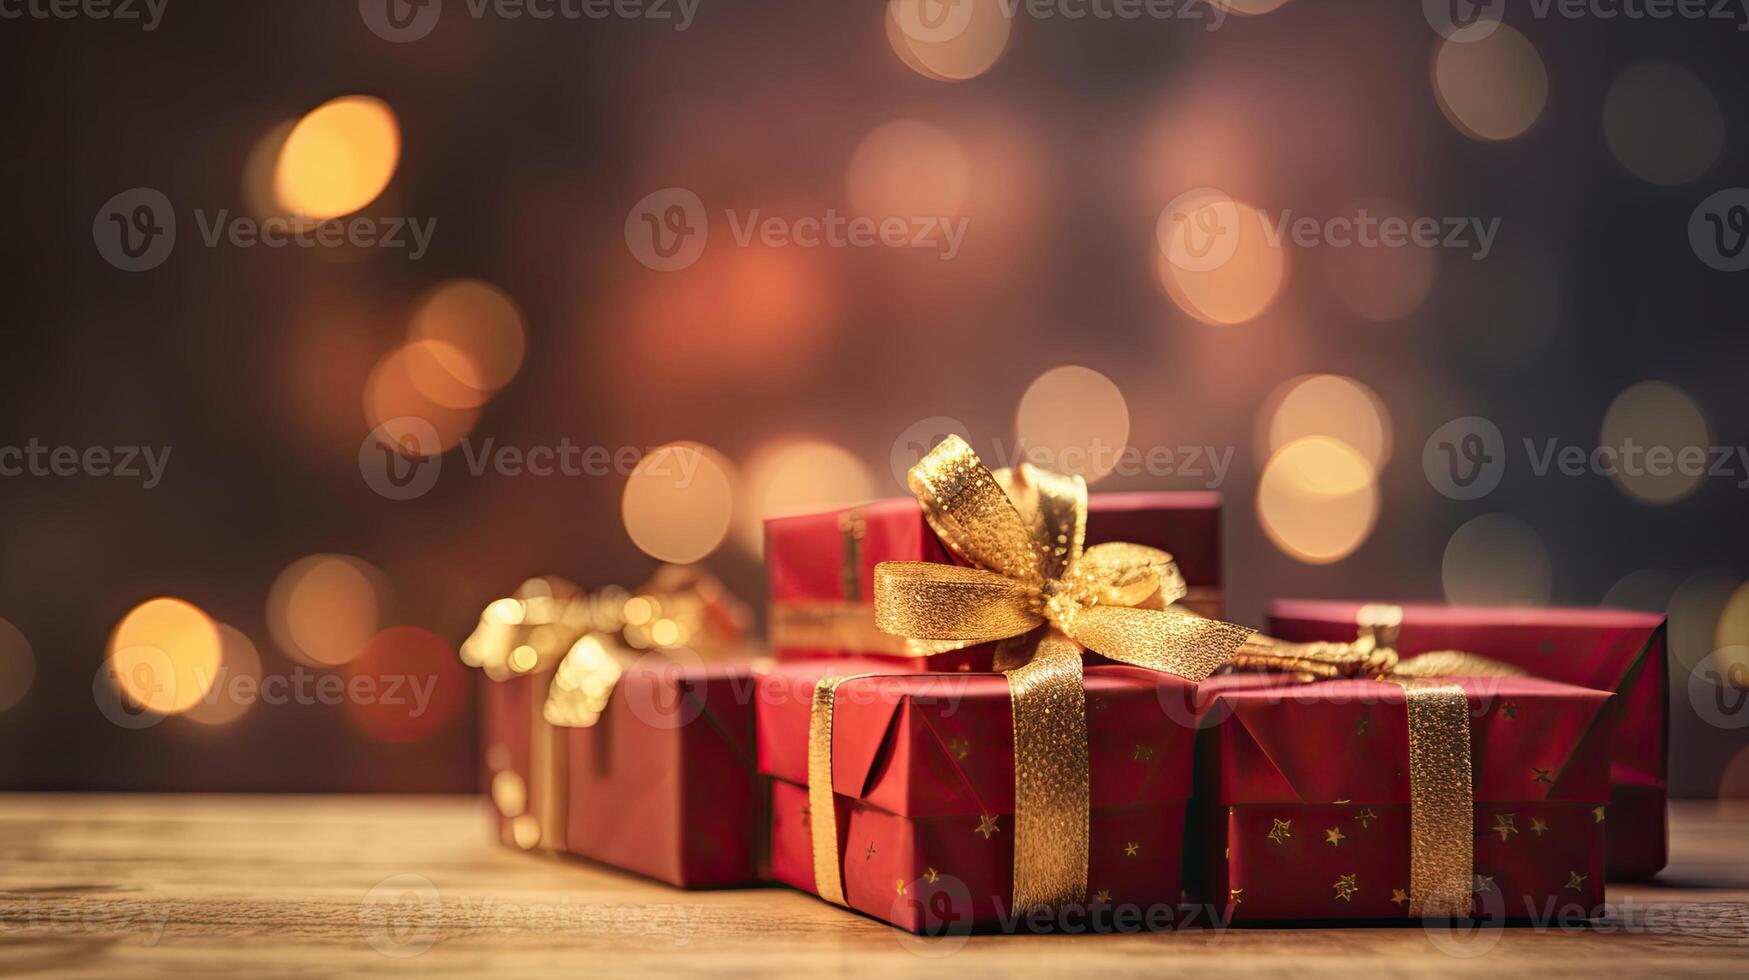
[[907, 168], [797, 476], [338, 158], [323, 609], [1328, 405], [1073, 420], [259, 169], [404, 685], [396, 406], [1697, 618], [678, 502], [1251, 267], [479, 332], [164, 655], [1380, 282], [239, 676], [17, 665], [948, 42], [1654, 426], [1317, 499], [1492, 88], [1496, 559], [1647, 589], [1662, 123]]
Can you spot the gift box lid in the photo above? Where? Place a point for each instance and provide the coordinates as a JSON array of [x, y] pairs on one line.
[[936, 744], [1348, 741], [806, 555], [1591, 646]]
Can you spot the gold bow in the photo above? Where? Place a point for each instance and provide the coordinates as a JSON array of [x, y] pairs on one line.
[[1023, 532], [1441, 788]]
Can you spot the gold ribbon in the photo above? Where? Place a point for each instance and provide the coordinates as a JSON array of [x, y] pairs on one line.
[[1441, 772], [1033, 586]]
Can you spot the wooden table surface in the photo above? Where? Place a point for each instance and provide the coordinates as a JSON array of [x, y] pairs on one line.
[[322, 886]]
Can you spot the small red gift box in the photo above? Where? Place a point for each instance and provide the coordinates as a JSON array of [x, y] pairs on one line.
[[1305, 797], [1607, 649], [664, 784], [821, 568], [923, 774]]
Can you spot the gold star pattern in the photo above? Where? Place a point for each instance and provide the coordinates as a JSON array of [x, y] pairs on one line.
[[1363, 725], [1236, 896], [986, 826], [1482, 884], [930, 874], [1143, 753], [1509, 709], [1575, 881], [871, 852], [1597, 814], [1102, 896], [959, 747], [1399, 897], [900, 887], [1280, 832], [1129, 849], [1366, 816], [1345, 888], [1334, 836], [1539, 775], [1505, 825], [1537, 826]]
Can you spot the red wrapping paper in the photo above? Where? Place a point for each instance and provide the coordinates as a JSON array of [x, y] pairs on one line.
[[665, 785], [1304, 797], [923, 772], [830, 557], [1613, 650]]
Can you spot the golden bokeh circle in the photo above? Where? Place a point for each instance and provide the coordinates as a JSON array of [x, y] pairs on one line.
[[1492, 88], [1657, 419], [227, 700], [338, 158], [1317, 499], [1496, 559], [1328, 405], [1662, 123], [907, 168], [678, 502], [797, 475], [323, 609], [1243, 284], [948, 42], [164, 655], [1073, 420]]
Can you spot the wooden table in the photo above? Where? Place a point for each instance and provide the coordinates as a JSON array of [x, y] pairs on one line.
[[318, 886]]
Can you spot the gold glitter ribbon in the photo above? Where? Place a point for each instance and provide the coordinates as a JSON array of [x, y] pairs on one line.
[[1441, 772], [1034, 587], [822, 807]]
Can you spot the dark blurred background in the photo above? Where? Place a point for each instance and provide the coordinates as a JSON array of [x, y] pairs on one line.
[[536, 316]]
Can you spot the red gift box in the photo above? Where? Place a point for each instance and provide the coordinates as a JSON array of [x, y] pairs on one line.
[[923, 776], [664, 784], [1607, 649], [1304, 799], [821, 568]]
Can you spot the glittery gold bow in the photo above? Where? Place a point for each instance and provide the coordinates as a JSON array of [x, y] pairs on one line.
[[1441, 787], [1034, 588]]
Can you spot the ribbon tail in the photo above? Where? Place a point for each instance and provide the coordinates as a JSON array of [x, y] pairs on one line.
[[822, 804], [1178, 643], [1441, 799], [1051, 797]]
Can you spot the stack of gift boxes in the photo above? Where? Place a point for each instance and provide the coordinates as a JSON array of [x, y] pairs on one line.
[[1005, 699]]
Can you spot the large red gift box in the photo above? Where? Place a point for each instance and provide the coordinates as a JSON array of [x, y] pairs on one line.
[[923, 776], [664, 784], [1608, 649], [1304, 799], [821, 568]]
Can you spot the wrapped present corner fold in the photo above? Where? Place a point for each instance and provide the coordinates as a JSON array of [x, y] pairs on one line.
[[1030, 585]]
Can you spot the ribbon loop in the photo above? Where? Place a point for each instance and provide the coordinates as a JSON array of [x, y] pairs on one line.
[[929, 601], [1171, 642], [972, 514]]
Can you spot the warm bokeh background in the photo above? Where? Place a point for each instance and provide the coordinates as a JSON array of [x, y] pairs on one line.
[[808, 372]]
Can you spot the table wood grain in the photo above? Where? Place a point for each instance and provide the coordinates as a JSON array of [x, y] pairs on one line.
[[314, 886]]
